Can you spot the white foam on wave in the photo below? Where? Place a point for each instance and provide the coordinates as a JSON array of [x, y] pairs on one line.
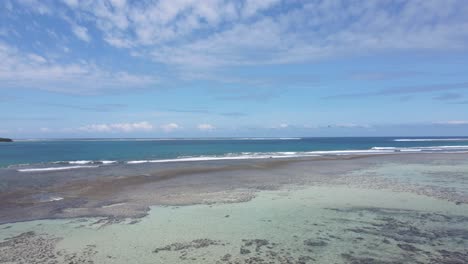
[[350, 152], [429, 139], [83, 162], [137, 161], [255, 155], [196, 159], [421, 148], [395, 149], [304, 154], [80, 162], [108, 161], [261, 155], [449, 147], [424, 149], [56, 168]]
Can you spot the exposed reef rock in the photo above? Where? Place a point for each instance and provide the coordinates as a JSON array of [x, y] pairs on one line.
[[33, 248], [195, 244]]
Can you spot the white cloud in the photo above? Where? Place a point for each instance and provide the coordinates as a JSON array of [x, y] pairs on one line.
[[170, 127], [453, 122], [280, 126], [228, 32], [37, 6], [206, 127], [36, 58], [81, 33], [118, 127], [350, 125], [251, 7], [72, 3], [34, 71], [203, 35]]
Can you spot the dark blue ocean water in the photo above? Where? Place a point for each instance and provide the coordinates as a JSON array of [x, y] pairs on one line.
[[125, 150]]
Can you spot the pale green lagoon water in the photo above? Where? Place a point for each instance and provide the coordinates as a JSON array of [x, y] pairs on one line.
[[388, 213], [325, 224]]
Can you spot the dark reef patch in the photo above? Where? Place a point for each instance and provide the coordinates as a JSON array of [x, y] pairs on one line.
[[33, 248], [194, 244], [414, 236], [315, 243]]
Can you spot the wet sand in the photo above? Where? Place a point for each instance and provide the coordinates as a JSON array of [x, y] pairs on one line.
[[406, 208]]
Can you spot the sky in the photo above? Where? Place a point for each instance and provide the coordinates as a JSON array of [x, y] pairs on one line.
[[222, 68]]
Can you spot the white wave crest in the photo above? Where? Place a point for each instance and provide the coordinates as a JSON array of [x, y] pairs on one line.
[[56, 168], [108, 161], [261, 155], [424, 149], [80, 162], [305, 154], [84, 162]]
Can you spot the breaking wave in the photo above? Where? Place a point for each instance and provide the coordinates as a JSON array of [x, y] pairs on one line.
[[429, 139], [55, 168], [81, 164]]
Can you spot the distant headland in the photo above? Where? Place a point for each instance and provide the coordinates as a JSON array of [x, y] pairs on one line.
[[6, 140]]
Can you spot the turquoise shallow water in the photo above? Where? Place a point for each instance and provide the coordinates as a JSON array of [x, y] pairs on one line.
[[311, 225], [384, 209], [80, 152]]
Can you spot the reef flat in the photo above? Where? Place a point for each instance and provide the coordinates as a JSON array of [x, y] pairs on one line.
[[377, 209]]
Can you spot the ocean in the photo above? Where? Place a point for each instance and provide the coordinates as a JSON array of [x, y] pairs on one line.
[[64, 154]]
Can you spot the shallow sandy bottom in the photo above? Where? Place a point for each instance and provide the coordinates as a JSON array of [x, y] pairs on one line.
[[394, 209], [294, 225]]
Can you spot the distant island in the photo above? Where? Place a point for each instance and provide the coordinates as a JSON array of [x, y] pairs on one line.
[[6, 140]]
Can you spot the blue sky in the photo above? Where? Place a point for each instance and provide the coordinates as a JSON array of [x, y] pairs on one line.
[[179, 68]]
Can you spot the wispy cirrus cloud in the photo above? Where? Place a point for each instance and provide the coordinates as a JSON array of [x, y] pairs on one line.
[[118, 127], [196, 39], [453, 122], [258, 95], [206, 127], [451, 98], [170, 127], [92, 108], [41, 7], [234, 114], [81, 32], [463, 102], [197, 111], [349, 125], [380, 76], [448, 97], [406, 90], [34, 71], [227, 32]]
